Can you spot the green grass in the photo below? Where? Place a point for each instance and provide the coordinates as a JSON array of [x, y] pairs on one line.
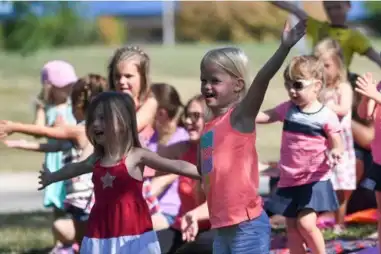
[[29, 233], [179, 66]]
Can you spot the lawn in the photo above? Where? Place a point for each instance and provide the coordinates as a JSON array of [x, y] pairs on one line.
[[179, 66], [29, 233]]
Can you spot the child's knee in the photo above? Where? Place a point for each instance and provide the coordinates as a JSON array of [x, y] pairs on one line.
[[306, 222]]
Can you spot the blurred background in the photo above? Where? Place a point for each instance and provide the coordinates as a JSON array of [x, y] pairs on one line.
[[174, 34]]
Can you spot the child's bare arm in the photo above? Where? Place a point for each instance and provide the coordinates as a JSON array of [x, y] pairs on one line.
[[179, 167], [289, 7], [250, 105], [160, 184], [370, 96], [68, 132], [268, 116], [67, 172], [38, 147], [146, 113], [343, 107]]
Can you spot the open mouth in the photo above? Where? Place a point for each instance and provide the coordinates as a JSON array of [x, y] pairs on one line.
[[98, 133], [210, 94]]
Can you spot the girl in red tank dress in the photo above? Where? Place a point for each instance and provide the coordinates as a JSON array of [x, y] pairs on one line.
[[119, 221]]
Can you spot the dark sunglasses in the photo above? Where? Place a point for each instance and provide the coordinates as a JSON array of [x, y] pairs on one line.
[[299, 84], [194, 116]]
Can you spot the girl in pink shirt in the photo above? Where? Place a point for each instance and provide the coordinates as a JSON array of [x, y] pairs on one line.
[[370, 108], [310, 129], [227, 158]]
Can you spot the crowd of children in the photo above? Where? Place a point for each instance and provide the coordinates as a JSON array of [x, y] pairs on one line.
[[124, 157]]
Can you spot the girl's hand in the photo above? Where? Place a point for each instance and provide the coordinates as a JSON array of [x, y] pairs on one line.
[[20, 143], [45, 177], [366, 86], [334, 157], [291, 36], [5, 128], [189, 227]]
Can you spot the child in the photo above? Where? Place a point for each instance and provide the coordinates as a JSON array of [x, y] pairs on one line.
[[351, 41], [167, 131], [78, 190], [128, 72], [304, 188], [337, 95], [228, 158], [369, 108], [191, 196], [119, 221]]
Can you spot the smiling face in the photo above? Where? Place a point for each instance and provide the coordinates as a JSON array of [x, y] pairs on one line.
[[127, 78], [303, 92], [194, 120], [219, 88]]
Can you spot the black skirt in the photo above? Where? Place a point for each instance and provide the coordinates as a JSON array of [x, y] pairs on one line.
[[289, 201]]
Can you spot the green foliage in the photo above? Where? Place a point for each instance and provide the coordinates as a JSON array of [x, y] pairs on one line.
[[60, 25], [374, 7], [233, 21]]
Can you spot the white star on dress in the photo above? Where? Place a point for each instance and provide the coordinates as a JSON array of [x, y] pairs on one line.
[[107, 180]]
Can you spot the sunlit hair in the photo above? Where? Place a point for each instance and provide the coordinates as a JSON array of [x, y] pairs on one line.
[[304, 68], [87, 88], [133, 54], [119, 117], [232, 60], [168, 99], [331, 48]]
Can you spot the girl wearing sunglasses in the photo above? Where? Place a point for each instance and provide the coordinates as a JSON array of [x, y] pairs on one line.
[[310, 129]]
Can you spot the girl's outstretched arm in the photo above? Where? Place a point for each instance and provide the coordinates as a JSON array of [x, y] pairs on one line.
[[67, 172], [250, 105], [268, 116], [38, 147], [179, 167], [68, 132]]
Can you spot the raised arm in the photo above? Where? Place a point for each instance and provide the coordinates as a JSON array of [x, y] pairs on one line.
[[374, 56], [179, 167], [367, 87], [291, 8], [250, 105]]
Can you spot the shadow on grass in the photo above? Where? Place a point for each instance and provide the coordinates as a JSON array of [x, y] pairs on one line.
[[26, 232]]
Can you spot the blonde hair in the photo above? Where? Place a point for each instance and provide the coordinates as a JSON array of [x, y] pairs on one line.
[[232, 60], [304, 67], [331, 48], [132, 53]]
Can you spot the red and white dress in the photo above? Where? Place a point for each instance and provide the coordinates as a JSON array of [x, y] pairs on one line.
[[119, 222]]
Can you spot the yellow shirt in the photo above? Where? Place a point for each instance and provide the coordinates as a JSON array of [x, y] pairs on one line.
[[351, 41]]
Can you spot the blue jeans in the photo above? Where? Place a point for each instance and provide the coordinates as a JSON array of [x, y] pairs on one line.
[[248, 237]]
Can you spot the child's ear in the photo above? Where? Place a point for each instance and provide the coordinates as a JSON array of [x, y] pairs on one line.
[[239, 86], [318, 86]]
